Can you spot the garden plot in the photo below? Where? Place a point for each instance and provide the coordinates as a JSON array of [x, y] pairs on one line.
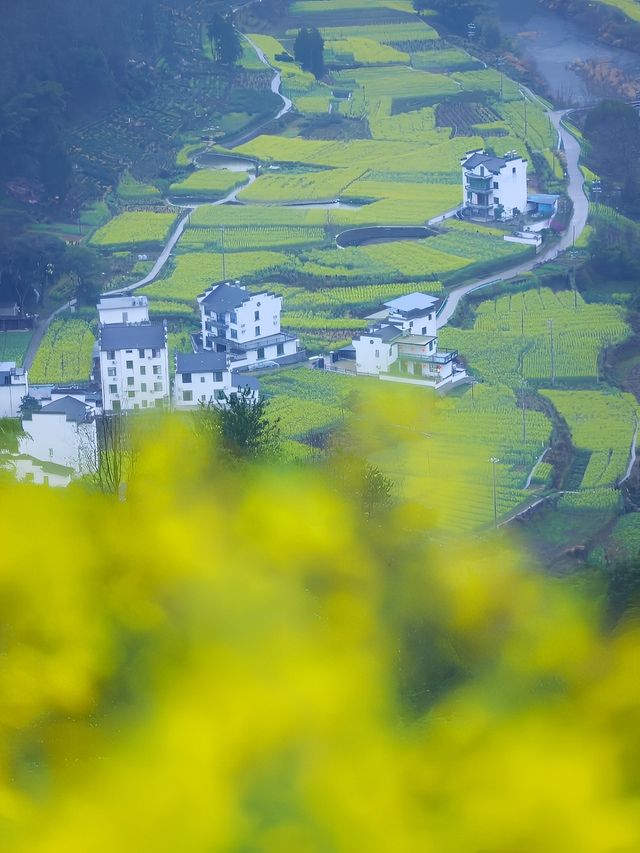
[[267, 217], [417, 125], [363, 51], [399, 83], [131, 190], [13, 346], [444, 60], [135, 228], [247, 238], [402, 36]]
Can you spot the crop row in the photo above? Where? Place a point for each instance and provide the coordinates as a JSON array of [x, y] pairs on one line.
[[135, 228], [239, 238]]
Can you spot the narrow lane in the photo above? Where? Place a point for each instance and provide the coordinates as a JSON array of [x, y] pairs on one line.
[[580, 202]]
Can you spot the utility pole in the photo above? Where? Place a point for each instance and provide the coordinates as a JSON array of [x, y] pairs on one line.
[[552, 352], [494, 461]]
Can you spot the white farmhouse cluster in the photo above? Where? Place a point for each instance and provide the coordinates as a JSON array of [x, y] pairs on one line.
[[401, 345], [494, 187]]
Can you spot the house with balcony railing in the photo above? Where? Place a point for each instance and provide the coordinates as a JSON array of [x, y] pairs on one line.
[[401, 345], [245, 326], [494, 187]]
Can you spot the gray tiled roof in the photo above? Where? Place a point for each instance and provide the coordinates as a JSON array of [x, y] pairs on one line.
[[73, 409], [132, 336], [200, 362], [384, 333], [493, 164], [225, 298]]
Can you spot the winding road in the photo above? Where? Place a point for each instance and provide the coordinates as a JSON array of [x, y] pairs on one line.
[[580, 202]]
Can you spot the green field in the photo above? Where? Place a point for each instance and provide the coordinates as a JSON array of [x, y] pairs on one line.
[[135, 228], [603, 424], [13, 346], [65, 353], [511, 340], [208, 183]]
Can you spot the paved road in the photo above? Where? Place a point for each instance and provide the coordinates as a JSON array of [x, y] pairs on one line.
[[576, 226]]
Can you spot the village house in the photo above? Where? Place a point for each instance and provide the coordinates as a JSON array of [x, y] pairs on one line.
[[134, 366], [245, 326], [494, 187], [203, 379], [14, 385], [123, 309], [62, 433], [401, 345]]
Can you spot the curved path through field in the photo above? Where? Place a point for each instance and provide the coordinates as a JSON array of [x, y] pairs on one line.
[[576, 226], [163, 257]]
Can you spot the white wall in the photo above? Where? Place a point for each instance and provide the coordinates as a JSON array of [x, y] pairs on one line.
[[11, 396], [134, 387], [29, 470], [512, 187], [425, 324], [204, 388], [52, 438], [372, 355], [136, 311], [245, 326]]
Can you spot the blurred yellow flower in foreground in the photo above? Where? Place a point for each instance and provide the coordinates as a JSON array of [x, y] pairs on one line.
[[239, 660]]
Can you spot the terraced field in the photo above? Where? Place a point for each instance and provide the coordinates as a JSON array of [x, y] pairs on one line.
[[135, 228], [514, 336], [65, 353]]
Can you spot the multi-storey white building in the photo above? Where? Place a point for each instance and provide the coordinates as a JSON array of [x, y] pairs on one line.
[[123, 309], [14, 385], [62, 433], [402, 345], [203, 378], [244, 325], [494, 187], [134, 366]]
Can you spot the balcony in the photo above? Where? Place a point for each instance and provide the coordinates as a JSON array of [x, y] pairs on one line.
[[477, 183], [416, 354]]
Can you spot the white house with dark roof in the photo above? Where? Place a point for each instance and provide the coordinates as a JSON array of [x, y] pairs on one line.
[[134, 366], [203, 378], [14, 385], [401, 345], [245, 326], [62, 433], [494, 187], [123, 309]]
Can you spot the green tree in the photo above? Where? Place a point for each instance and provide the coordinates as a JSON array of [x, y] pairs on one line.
[[226, 48], [242, 425], [308, 50]]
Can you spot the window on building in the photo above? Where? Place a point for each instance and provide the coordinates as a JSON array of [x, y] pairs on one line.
[[256, 315], [429, 317], [157, 386], [260, 352], [111, 371], [513, 170], [156, 370], [203, 398], [113, 389], [234, 334], [187, 396], [430, 346], [143, 386], [155, 353], [202, 378], [111, 354], [280, 349], [131, 394], [495, 185], [233, 317], [377, 353], [116, 405], [144, 404], [217, 376], [51, 453], [129, 365], [496, 200], [424, 330], [125, 316], [186, 378], [482, 171], [129, 351], [143, 370], [130, 380], [257, 331], [220, 395], [141, 353]]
